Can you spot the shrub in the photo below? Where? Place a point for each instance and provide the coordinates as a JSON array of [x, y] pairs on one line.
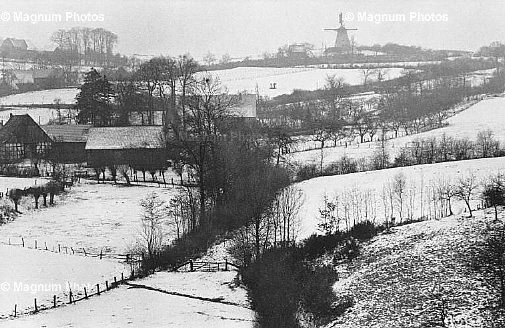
[[306, 172], [365, 230], [7, 213]]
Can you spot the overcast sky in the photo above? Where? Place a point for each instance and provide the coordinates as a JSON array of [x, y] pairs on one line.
[[250, 27]]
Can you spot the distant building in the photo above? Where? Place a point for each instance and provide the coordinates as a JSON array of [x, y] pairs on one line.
[[244, 105], [12, 45]]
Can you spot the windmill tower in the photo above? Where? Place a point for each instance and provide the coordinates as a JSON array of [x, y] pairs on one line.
[[342, 43]]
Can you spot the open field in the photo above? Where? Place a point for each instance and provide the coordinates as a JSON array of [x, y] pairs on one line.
[[66, 95], [486, 114], [26, 274], [287, 79], [94, 216], [374, 181], [148, 303]]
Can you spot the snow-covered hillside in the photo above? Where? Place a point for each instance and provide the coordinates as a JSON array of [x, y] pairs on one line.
[[288, 79], [66, 96], [486, 114], [374, 182], [401, 277]]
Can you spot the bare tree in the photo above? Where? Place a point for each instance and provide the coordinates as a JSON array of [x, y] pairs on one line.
[[153, 218], [465, 189]]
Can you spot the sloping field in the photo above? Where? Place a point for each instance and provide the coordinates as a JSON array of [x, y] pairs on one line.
[[94, 216], [26, 274], [486, 114], [205, 299], [288, 79], [400, 278], [419, 177], [67, 96]]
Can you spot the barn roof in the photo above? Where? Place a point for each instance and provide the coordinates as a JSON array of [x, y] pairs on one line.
[[22, 129], [130, 137], [67, 132]]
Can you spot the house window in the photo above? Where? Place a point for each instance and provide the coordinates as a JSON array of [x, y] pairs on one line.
[[43, 147]]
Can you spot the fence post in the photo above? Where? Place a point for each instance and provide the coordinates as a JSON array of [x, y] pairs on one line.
[[59, 248], [122, 277], [106, 285], [54, 301], [15, 310], [70, 298], [115, 281], [23, 241], [84, 252], [98, 289], [85, 293], [35, 244], [101, 254], [45, 245], [226, 264], [191, 265], [36, 308]]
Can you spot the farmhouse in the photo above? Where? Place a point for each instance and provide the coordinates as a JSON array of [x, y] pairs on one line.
[[22, 138], [12, 45], [141, 147]]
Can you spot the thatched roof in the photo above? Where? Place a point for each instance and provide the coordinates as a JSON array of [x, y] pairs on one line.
[[67, 133], [130, 137], [22, 129]]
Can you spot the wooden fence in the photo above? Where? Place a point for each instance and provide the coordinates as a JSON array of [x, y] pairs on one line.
[[206, 266]]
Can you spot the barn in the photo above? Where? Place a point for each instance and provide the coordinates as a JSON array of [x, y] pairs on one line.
[[141, 147], [68, 142]]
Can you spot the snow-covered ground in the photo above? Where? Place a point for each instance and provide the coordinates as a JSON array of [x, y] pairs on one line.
[[288, 79], [165, 299], [94, 216], [486, 114], [26, 274], [373, 182], [400, 277], [67, 96]]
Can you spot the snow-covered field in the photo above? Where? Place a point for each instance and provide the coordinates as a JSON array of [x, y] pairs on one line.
[[26, 274], [67, 96], [288, 79], [40, 115], [486, 114], [94, 216], [374, 181], [140, 307]]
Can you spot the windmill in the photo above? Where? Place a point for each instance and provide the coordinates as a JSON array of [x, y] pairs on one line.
[[342, 43]]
